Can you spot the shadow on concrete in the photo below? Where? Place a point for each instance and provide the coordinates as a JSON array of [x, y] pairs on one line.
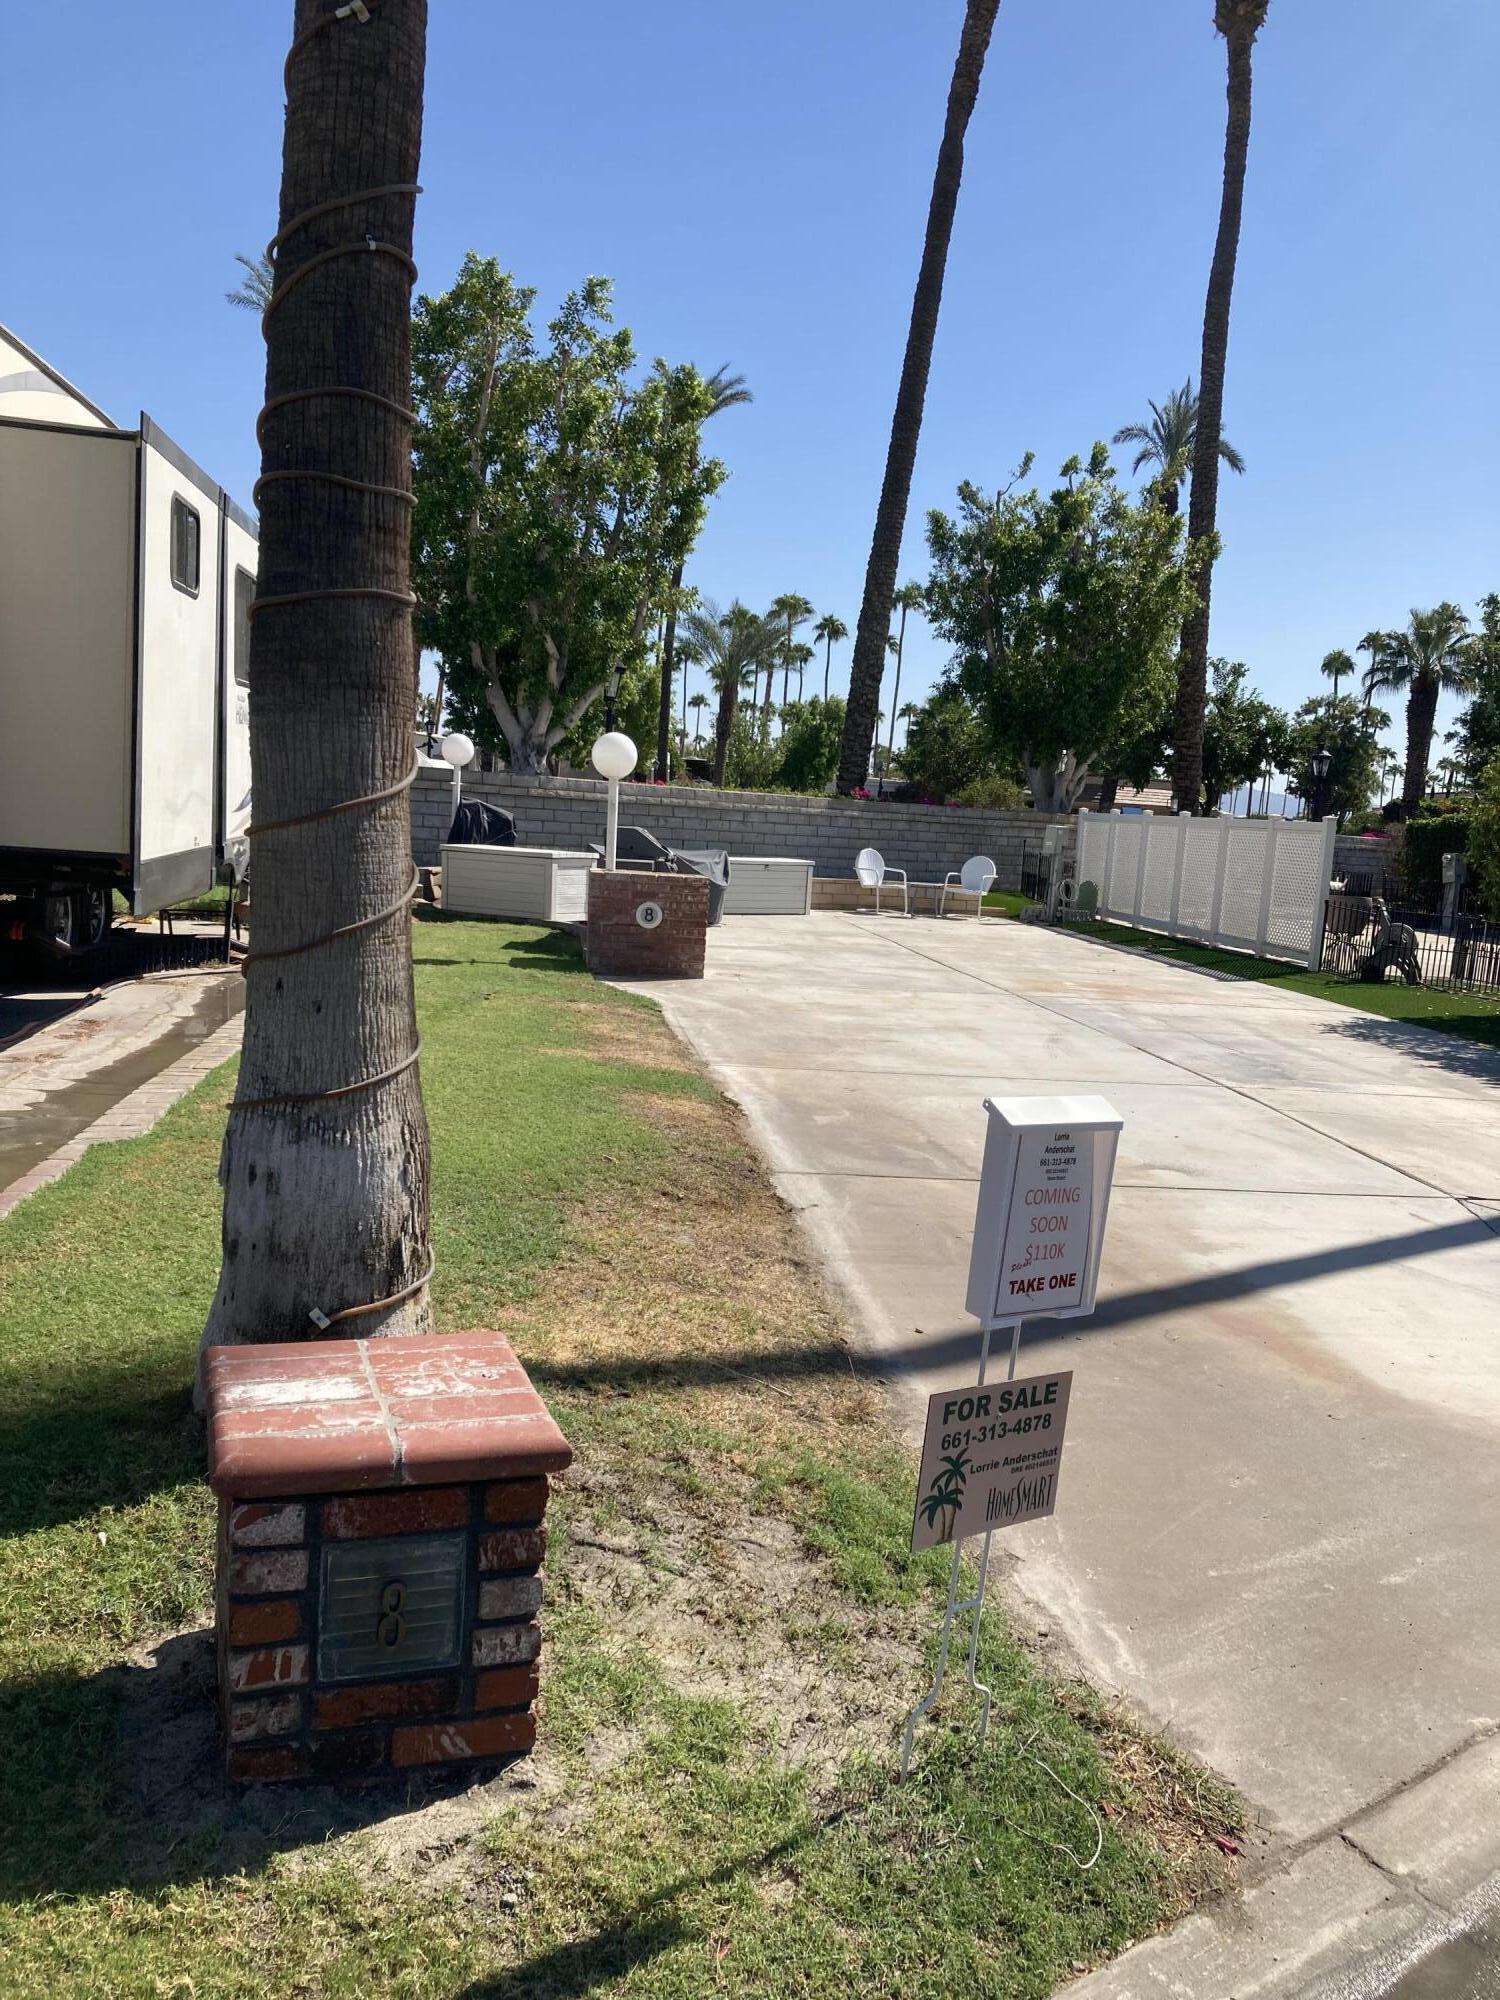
[[1467, 1045], [954, 1346]]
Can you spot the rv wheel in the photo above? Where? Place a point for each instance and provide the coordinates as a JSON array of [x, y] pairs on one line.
[[75, 921]]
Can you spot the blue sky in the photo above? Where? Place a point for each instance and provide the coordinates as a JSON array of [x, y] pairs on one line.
[[755, 181]]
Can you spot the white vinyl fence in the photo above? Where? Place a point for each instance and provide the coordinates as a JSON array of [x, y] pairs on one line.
[[1260, 885]]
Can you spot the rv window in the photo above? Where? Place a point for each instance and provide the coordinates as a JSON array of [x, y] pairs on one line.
[[184, 546], [244, 596]]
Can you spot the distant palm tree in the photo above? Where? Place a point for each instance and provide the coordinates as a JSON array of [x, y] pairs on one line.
[[1167, 443], [910, 710], [698, 703], [868, 665], [786, 613], [800, 659], [734, 647], [728, 392], [254, 290], [1335, 665], [826, 631], [1239, 22], [687, 656], [908, 598], [1432, 656]]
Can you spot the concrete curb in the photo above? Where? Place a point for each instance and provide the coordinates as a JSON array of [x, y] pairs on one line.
[[133, 1115], [1349, 1914]]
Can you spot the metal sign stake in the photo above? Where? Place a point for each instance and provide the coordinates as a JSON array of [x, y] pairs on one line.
[[974, 1606]]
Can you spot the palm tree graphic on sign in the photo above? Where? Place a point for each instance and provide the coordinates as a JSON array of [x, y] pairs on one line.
[[944, 1497]]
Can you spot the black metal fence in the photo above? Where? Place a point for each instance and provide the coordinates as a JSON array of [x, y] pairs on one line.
[[1037, 864], [1455, 950]]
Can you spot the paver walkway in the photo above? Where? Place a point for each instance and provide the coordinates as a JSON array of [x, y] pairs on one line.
[[1278, 1530]]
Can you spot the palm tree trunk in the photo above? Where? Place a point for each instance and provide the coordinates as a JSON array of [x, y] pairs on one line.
[[868, 664], [1203, 504], [668, 667], [1421, 714], [827, 666], [890, 747], [326, 1197], [729, 696]]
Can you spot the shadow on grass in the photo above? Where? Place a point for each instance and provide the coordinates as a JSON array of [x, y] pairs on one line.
[[114, 1780], [109, 1442]]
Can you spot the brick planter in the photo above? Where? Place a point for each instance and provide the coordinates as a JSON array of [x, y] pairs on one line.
[[642, 924], [380, 1548]]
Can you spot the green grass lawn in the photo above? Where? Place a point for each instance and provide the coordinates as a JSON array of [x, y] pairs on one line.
[[734, 1624], [1467, 1014], [1008, 902]]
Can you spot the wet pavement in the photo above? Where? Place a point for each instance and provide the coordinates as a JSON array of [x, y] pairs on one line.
[[77, 1039], [1466, 1969]]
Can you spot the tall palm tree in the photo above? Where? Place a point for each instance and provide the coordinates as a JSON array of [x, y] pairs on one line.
[[325, 1163], [687, 656], [253, 292], [786, 613], [1431, 657], [1167, 443], [1335, 665], [727, 392], [734, 646], [698, 703], [908, 598], [827, 630], [1239, 22], [799, 659], [906, 424], [910, 710]]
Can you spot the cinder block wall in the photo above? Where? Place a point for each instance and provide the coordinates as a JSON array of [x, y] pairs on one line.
[[569, 812]]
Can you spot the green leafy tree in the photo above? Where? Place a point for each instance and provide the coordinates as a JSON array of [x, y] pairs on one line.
[[868, 666], [828, 632], [1350, 734], [556, 493], [1167, 444], [1239, 22], [949, 749], [809, 745], [1062, 610], [1477, 736], [1483, 845], [1242, 734]]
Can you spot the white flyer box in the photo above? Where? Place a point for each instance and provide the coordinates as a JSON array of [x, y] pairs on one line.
[[1043, 1202]]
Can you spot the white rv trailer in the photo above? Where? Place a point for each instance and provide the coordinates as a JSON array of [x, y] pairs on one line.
[[126, 578]]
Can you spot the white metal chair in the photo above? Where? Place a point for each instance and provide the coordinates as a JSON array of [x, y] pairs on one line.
[[976, 878], [871, 872]]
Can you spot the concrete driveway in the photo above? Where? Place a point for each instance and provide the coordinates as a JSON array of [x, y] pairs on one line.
[[1278, 1531]]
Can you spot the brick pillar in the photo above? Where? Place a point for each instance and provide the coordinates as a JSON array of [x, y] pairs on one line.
[[642, 924]]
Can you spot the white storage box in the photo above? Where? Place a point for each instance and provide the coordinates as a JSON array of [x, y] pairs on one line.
[[545, 885], [768, 885]]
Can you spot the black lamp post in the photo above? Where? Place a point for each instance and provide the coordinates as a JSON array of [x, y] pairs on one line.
[[612, 681], [1322, 763]]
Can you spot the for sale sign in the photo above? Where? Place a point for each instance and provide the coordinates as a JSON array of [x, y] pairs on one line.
[[1046, 1250], [990, 1457]]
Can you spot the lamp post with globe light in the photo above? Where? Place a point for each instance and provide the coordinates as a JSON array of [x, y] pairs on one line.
[[613, 757], [458, 750]]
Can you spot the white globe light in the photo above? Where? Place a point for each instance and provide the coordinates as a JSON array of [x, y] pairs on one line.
[[614, 755], [458, 749]]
